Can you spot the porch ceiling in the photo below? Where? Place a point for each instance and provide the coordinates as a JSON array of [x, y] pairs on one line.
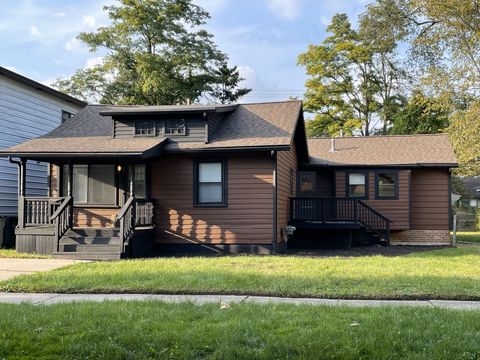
[[83, 147]]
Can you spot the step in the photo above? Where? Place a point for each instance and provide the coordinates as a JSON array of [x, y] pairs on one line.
[[88, 255], [78, 240], [90, 248], [93, 232]]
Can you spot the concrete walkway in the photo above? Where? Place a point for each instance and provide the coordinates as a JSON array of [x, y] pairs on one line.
[[11, 267], [48, 299]]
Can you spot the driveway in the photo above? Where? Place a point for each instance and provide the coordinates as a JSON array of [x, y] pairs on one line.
[[11, 267]]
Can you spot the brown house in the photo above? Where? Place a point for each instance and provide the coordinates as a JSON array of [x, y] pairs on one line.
[[225, 178]]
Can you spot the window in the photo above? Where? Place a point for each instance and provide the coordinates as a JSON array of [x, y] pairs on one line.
[[306, 182], [386, 185], [175, 127], [357, 185], [145, 127], [66, 115], [140, 181], [210, 184], [92, 184]]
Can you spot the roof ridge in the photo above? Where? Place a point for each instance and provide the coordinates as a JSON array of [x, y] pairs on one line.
[[375, 136]]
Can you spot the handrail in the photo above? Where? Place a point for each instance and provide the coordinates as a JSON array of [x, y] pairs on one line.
[[60, 208], [124, 208], [375, 211]]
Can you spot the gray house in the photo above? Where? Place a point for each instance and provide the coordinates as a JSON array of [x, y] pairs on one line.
[[28, 109]]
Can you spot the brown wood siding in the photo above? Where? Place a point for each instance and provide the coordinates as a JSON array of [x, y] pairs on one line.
[[247, 219], [54, 180], [397, 210], [286, 186], [430, 199], [94, 217]]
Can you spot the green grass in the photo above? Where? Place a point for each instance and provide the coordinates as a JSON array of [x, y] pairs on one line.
[[142, 330], [11, 253], [451, 273], [473, 236]]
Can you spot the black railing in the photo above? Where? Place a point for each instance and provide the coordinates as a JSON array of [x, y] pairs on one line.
[[338, 211], [62, 219]]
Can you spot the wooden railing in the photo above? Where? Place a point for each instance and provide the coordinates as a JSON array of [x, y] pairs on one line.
[[134, 213], [36, 211], [337, 211], [62, 219]]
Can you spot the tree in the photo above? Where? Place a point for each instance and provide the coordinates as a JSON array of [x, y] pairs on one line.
[[420, 115], [156, 54], [464, 130], [226, 88]]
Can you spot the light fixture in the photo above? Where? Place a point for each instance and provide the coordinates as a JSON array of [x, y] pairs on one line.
[[119, 168]]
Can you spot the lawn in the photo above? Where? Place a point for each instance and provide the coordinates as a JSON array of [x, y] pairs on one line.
[[11, 253], [473, 236], [141, 330], [450, 273]]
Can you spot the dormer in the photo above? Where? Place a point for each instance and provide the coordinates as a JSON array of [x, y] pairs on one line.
[[182, 123]]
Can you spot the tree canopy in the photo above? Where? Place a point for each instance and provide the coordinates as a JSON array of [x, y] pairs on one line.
[[156, 53]]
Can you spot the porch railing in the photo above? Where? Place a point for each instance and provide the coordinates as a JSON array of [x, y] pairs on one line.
[[338, 211], [36, 211], [134, 213], [62, 219]]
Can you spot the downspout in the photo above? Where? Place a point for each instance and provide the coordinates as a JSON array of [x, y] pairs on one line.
[[273, 154], [20, 174]]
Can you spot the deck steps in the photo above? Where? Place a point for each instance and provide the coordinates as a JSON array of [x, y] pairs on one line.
[[90, 244]]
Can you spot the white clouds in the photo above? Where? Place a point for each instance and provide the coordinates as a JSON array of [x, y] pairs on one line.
[[92, 62], [89, 20], [285, 9], [249, 75], [75, 45], [59, 15], [34, 31]]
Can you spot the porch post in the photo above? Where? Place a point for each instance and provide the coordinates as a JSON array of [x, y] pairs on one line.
[[131, 179], [70, 179]]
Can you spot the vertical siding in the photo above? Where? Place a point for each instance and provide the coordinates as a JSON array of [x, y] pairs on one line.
[[25, 114], [430, 199], [246, 220], [397, 210], [286, 161]]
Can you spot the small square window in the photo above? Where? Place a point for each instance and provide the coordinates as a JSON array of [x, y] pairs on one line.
[[357, 185], [145, 127], [386, 185], [175, 127], [66, 115]]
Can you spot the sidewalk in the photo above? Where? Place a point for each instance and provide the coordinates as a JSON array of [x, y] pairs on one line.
[[48, 299]]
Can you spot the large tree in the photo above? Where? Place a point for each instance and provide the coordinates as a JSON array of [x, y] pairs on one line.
[[156, 53]]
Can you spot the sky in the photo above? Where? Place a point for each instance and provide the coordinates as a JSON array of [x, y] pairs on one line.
[[262, 37]]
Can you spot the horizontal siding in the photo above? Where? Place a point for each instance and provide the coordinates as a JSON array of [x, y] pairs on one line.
[[246, 220], [94, 217], [25, 113], [397, 210], [286, 186], [123, 129], [430, 199]]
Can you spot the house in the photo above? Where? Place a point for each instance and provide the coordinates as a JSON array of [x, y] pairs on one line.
[[225, 178], [28, 109], [470, 198]]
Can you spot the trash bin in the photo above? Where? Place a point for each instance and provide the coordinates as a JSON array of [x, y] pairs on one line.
[[8, 233], [3, 221]]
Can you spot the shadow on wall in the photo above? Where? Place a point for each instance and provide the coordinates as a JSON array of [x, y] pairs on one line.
[[89, 218]]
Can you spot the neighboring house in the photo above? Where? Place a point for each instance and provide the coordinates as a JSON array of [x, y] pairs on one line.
[[225, 178], [28, 109], [471, 196]]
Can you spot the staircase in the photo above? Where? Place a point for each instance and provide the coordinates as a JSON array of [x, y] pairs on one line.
[[90, 244]]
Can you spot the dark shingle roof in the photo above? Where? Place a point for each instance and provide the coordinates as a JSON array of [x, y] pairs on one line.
[[404, 150]]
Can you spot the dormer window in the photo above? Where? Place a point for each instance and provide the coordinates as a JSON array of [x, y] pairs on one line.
[[175, 127], [145, 127]]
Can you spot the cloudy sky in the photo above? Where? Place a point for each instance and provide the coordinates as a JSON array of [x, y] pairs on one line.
[[262, 37]]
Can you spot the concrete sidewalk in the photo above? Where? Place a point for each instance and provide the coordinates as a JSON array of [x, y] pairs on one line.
[[11, 267], [48, 299]]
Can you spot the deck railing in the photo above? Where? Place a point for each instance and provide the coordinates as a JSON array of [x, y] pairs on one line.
[[145, 213], [62, 219], [336, 211], [36, 211]]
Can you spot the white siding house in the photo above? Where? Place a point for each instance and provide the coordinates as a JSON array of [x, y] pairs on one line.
[[27, 109]]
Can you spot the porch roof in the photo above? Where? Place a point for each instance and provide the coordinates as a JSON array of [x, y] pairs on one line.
[[93, 146], [394, 150]]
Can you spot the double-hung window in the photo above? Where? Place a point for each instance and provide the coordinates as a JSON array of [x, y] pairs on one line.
[[145, 127], [357, 185], [386, 185], [175, 127], [210, 183]]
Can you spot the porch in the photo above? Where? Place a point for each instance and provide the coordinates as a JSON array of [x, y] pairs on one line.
[[56, 224], [334, 213]]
